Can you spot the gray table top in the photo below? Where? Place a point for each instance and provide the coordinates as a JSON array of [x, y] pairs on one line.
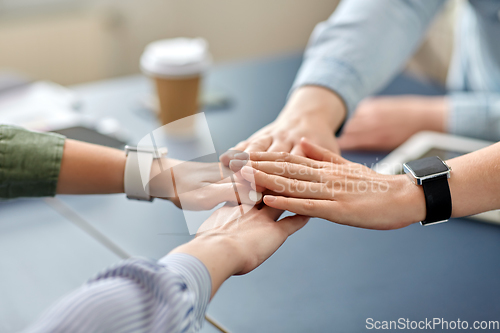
[[325, 278]]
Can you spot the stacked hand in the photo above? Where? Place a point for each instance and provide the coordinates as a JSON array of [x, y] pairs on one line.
[[232, 243], [311, 112], [326, 185], [199, 186]]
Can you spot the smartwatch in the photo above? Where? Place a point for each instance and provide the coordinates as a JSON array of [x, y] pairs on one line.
[[432, 174], [138, 171]]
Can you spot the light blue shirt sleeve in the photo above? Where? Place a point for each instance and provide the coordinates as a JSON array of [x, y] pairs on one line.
[[363, 45], [474, 74], [136, 295], [475, 114]]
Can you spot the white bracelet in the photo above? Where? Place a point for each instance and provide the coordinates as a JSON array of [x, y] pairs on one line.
[[138, 171]]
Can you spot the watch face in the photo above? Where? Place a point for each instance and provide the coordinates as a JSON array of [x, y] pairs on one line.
[[427, 166]]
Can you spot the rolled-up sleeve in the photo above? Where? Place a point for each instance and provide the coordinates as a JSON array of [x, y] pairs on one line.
[[475, 114], [29, 162], [363, 45], [137, 295]]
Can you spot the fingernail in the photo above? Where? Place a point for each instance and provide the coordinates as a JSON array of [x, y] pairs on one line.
[[270, 198], [237, 164], [246, 169], [241, 156], [255, 196]]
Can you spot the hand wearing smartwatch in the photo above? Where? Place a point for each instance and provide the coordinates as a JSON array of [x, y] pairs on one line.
[[432, 174], [325, 185]]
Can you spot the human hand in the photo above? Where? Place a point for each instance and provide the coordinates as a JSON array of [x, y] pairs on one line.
[[199, 186], [311, 112], [256, 234], [384, 123], [328, 186], [230, 243]]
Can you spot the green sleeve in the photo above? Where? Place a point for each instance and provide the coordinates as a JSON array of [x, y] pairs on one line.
[[29, 162]]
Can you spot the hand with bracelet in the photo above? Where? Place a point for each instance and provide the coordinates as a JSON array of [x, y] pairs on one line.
[[325, 185], [91, 169]]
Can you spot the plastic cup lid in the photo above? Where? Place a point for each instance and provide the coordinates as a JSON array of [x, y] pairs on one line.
[[176, 57]]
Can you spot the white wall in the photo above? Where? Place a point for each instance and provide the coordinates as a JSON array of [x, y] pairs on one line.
[[108, 39]]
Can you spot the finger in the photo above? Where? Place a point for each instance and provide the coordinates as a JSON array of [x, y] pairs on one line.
[[288, 170], [286, 157], [239, 178], [236, 164], [321, 154], [247, 195], [292, 224], [325, 209], [229, 155], [279, 145], [235, 193], [286, 186], [297, 150], [260, 144]]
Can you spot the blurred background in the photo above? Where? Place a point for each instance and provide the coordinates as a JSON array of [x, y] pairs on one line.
[[74, 41]]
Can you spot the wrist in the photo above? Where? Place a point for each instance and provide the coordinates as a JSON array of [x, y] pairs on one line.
[[317, 105], [162, 184], [220, 255], [410, 200]]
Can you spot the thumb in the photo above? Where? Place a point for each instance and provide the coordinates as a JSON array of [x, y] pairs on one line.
[[236, 193], [318, 153]]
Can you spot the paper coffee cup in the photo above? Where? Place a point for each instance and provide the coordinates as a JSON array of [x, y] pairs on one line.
[[177, 67]]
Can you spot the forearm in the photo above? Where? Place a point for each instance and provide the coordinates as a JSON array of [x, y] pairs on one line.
[[91, 169], [363, 45], [474, 184], [475, 180]]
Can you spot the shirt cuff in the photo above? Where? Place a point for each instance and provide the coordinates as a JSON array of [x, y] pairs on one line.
[[336, 75], [197, 279], [179, 282], [29, 162], [475, 115]]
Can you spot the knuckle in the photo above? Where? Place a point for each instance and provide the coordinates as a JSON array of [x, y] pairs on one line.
[[240, 144], [281, 156], [309, 205], [287, 166], [288, 157], [281, 136]]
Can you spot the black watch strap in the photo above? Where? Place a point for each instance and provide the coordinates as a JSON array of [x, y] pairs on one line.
[[437, 199]]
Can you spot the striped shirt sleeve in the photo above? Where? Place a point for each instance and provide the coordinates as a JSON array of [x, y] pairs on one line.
[[136, 295]]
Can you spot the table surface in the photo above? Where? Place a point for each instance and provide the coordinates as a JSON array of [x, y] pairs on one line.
[[327, 277]]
